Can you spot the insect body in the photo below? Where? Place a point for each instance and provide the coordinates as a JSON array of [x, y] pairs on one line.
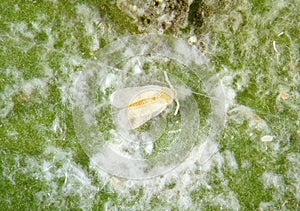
[[140, 104]]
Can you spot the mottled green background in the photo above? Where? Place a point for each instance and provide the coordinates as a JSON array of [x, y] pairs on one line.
[[254, 46]]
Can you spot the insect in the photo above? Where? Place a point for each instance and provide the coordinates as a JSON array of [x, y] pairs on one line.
[[140, 104]]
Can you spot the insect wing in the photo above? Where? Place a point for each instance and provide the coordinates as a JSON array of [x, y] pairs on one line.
[[139, 115], [123, 97], [144, 106]]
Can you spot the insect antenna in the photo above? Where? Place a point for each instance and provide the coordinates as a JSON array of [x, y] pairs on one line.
[[175, 98]]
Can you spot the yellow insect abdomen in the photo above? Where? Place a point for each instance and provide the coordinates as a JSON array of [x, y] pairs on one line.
[[161, 96]]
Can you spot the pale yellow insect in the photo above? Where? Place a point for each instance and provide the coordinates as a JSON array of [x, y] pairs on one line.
[[140, 104]]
